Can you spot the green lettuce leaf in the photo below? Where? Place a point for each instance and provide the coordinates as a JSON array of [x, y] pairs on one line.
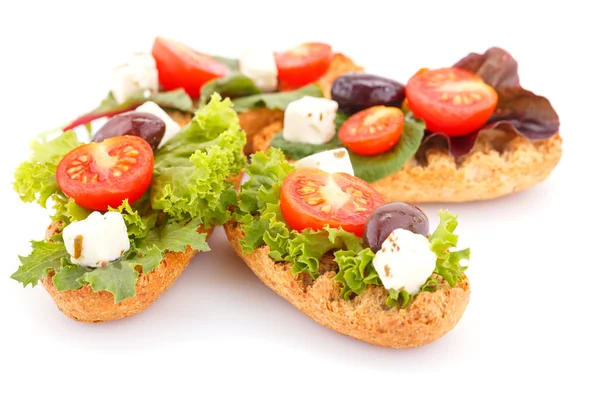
[[118, 278], [35, 179], [137, 226], [67, 210], [44, 256], [443, 239], [193, 172], [68, 276], [232, 86], [368, 168], [279, 100], [356, 271], [175, 236]]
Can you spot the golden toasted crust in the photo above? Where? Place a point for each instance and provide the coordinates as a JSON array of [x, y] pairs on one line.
[[85, 305], [365, 317], [500, 164]]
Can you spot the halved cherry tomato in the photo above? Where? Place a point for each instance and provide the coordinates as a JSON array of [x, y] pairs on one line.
[[180, 66], [303, 64], [453, 101], [311, 198], [98, 175], [372, 131]]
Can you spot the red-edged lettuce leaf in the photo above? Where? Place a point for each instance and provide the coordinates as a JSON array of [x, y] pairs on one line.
[[496, 67], [174, 100], [518, 111]]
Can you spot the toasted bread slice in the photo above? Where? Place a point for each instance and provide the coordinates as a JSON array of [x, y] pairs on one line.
[[85, 305], [365, 317], [501, 163]]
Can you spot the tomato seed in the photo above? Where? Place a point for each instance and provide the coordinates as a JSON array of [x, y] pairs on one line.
[[444, 96], [133, 153], [129, 160], [83, 158], [117, 173], [360, 209], [74, 169], [361, 200], [476, 96], [314, 201], [326, 208], [457, 100], [306, 190]]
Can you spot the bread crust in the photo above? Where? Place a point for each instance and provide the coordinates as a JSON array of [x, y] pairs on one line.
[[501, 163], [364, 317], [85, 305]]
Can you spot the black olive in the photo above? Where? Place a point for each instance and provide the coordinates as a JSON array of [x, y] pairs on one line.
[[357, 91], [389, 217], [145, 125]]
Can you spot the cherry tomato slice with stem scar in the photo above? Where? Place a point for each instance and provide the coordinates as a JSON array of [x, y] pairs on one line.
[[303, 64], [453, 101], [311, 198], [372, 131], [99, 175]]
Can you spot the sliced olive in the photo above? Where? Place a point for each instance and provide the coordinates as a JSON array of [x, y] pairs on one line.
[[357, 91], [389, 217], [145, 125]]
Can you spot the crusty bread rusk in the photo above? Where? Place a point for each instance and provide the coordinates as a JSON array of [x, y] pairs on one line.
[[364, 317], [85, 305], [500, 164]]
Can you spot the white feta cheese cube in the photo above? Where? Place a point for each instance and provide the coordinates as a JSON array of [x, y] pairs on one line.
[[310, 120], [96, 240], [405, 261], [172, 127], [137, 75], [330, 161], [259, 65]]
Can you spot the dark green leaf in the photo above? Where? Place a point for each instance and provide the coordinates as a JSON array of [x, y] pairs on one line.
[[232, 86], [278, 100]]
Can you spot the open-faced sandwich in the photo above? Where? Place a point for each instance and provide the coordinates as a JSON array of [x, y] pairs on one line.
[[132, 206], [262, 82], [463, 133], [329, 243]]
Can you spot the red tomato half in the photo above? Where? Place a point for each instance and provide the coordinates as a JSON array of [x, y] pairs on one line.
[[303, 64], [311, 198], [180, 66], [98, 175], [453, 101], [372, 131]]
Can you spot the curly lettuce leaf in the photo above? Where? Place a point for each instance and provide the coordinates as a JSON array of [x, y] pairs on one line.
[[44, 256], [496, 67], [194, 171], [118, 278], [276, 101], [68, 276], [67, 211], [137, 226], [175, 236], [356, 271], [35, 179]]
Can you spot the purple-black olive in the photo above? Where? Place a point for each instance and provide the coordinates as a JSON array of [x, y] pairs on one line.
[[357, 91], [145, 125], [389, 217]]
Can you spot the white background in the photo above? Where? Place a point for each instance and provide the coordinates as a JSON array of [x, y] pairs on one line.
[[531, 325]]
